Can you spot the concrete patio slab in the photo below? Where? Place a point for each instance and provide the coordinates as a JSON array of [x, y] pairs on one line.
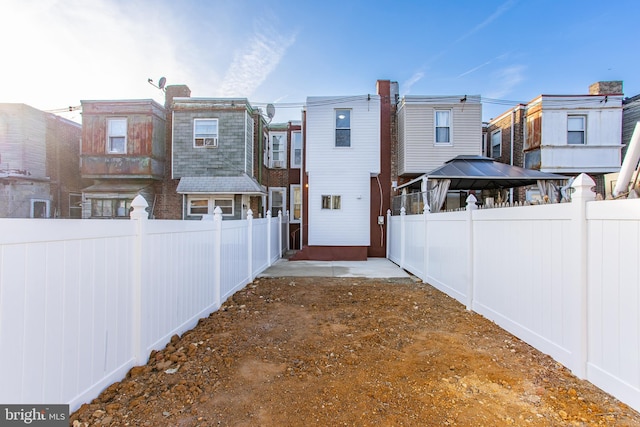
[[371, 268]]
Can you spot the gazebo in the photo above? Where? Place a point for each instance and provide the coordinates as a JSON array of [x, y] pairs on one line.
[[468, 172]]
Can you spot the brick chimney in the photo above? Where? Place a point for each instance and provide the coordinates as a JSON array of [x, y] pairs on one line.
[[606, 88], [175, 91]]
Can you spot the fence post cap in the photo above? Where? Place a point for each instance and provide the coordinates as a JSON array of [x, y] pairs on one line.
[[139, 208], [583, 187], [249, 213], [471, 202], [217, 214]]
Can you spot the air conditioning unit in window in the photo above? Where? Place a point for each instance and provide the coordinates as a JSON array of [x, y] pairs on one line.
[[278, 164], [211, 142]]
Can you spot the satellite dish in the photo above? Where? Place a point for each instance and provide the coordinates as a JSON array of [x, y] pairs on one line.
[[162, 82], [271, 111]]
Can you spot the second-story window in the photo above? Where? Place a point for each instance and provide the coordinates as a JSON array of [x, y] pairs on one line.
[[205, 133], [496, 144], [296, 149], [117, 136], [576, 129], [343, 128], [443, 126], [278, 147]]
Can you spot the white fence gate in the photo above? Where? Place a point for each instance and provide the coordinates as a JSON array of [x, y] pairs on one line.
[[83, 301], [565, 278]]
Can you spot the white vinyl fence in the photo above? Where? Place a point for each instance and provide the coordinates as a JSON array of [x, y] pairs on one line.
[[565, 278], [83, 301]]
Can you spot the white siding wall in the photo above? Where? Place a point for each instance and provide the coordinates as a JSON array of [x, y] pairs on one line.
[[343, 171], [602, 150], [418, 152]]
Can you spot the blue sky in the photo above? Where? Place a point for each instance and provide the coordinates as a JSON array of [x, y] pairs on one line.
[[58, 52]]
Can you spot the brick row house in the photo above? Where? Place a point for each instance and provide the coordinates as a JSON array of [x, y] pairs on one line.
[[123, 153], [39, 168], [337, 170], [280, 170]]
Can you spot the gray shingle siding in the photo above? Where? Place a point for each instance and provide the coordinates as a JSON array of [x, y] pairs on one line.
[[229, 158]]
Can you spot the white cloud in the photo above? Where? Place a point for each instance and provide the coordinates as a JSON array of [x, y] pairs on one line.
[[505, 80], [495, 15], [415, 78], [252, 65]]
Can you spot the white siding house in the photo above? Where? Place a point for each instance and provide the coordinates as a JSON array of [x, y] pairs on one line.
[[574, 134], [435, 129], [342, 155]]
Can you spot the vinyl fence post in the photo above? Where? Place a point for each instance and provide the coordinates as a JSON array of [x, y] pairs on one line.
[[288, 230], [582, 194], [217, 255], [269, 238], [403, 240], [250, 244], [388, 233], [471, 206], [425, 262], [139, 214], [279, 233]]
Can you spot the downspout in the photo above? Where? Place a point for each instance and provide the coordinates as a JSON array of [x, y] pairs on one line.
[[260, 149], [513, 121]]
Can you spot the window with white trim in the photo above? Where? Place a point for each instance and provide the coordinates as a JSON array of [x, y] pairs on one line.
[[278, 149], [576, 130], [296, 203], [198, 205], [343, 128], [205, 133], [443, 126], [225, 204], [277, 200], [117, 136], [331, 202], [496, 144], [296, 149]]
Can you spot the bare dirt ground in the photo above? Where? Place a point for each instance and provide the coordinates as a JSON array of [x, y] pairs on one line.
[[355, 352]]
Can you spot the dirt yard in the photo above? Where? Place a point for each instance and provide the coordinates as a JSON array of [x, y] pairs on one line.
[[354, 352]]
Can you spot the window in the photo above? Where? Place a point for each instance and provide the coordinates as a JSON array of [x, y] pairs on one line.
[[278, 147], [496, 144], [75, 205], [117, 136], [296, 149], [110, 208], [39, 208], [296, 203], [205, 133], [443, 127], [225, 204], [206, 205], [343, 128], [198, 206], [277, 201], [330, 202], [576, 129]]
